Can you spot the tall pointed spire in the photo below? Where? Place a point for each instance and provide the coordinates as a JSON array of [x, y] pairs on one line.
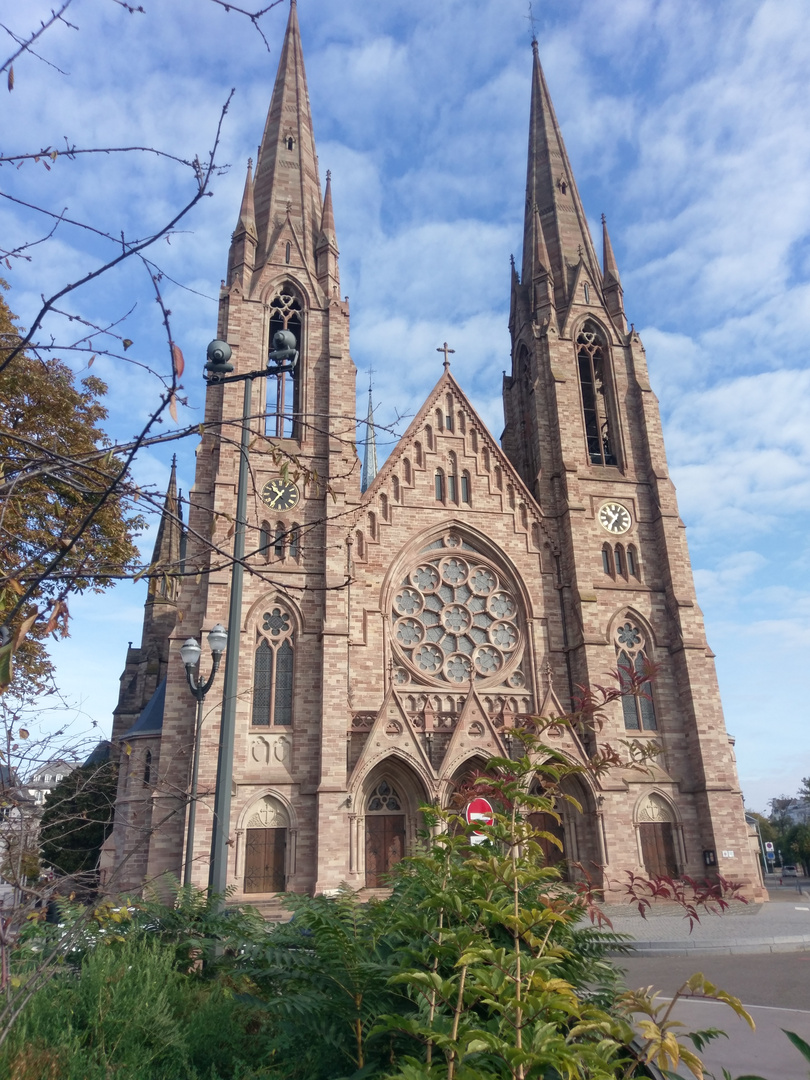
[[370, 444], [326, 248], [287, 185], [166, 553], [611, 282], [550, 187], [242, 254]]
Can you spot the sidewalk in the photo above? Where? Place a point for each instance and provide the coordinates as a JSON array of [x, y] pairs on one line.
[[782, 925]]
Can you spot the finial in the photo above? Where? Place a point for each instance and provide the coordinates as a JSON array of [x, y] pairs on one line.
[[512, 261], [532, 20], [174, 461], [250, 162], [547, 671], [604, 220], [445, 349], [579, 250], [328, 174]]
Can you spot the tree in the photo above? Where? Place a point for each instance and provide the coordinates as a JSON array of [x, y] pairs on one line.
[[62, 529], [77, 819]]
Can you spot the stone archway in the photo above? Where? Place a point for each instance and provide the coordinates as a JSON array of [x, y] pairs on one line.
[[577, 831]]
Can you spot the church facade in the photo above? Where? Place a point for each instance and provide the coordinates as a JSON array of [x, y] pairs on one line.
[[393, 638]]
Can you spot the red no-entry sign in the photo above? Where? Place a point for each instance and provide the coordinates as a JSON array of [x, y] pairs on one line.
[[479, 810]]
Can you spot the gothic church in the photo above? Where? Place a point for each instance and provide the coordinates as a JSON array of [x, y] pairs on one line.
[[394, 634]]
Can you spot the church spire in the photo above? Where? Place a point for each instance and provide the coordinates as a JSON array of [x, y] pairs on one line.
[[166, 553], [327, 249], [287, 187], [611, 282], [550, 187], [242, 255], [370, 455]]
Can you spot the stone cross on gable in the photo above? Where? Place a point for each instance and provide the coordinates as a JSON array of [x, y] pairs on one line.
[[445, 349]]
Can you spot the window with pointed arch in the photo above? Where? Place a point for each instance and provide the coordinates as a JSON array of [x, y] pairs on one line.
[[283, 392], [597, 405], [452, 479], [638, 708], [273, 669]]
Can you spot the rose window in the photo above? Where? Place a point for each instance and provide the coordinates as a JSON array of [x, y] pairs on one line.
[[456, 618]]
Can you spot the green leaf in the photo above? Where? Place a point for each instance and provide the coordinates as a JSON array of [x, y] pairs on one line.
[[799, 1043]]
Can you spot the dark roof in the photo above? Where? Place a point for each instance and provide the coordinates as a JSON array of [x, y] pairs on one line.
[[150, 722], [99, 755]]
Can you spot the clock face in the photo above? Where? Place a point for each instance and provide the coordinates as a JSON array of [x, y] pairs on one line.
[[280, 494], [615, 518]]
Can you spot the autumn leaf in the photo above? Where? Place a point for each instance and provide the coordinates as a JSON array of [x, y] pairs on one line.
[[24, 733], [173, 407], [11, 78], [178, 363], [91, 361], [126, 343]]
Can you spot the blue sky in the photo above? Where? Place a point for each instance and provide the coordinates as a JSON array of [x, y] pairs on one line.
[[687, 124]]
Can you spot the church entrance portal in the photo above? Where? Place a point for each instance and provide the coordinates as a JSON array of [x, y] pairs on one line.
[[385, 833], [658, 848], [265, 854]]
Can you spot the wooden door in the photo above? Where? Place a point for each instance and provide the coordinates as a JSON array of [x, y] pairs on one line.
[[385, 846], [265, 852], [658, 849], [553, 855]]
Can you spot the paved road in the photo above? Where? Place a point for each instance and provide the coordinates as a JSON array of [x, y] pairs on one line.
[[775, 987]]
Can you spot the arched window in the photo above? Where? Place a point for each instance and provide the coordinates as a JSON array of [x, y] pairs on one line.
[[428, 437], [273, 670], [417, 447], [438, 481], [372, 525], [465, 487], [448, 416], [264, 540], [439, 420], [287, 253], [632, 561], [474, 440], [485, 458], [406, 470], [607, 559], [384, 507], [618, 555], [638, 708], [596, 395], [283, 392], [498, 478], [359, 545], [395, 488], [278, 545], [147, 769], [452, 480], [295, 541]]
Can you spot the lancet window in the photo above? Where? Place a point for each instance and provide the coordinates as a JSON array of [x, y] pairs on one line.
[[596, 400], [273, 668], [282, 418], [638, 708]]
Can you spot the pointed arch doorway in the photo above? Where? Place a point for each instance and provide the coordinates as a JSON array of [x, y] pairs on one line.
[[385, 832]]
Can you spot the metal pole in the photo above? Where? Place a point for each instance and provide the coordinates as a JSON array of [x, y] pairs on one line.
[[192, 807], [218, 876]]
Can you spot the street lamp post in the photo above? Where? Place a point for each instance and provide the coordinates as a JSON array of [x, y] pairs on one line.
[[282, 358], [190, 651]]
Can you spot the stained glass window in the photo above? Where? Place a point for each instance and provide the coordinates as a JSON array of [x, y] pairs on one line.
[[273, 668]]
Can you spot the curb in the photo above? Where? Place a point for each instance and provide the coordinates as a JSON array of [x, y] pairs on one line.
[[776, 944]]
